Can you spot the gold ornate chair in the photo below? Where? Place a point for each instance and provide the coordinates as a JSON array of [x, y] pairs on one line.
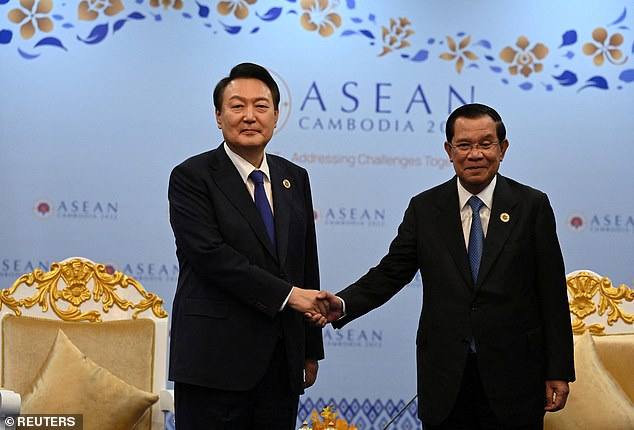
[[602, 318], [84, 339]]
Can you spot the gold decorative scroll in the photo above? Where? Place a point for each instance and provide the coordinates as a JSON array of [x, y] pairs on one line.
[[66, 287], [583, 287]]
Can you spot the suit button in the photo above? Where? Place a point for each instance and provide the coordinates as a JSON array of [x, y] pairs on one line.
[[474, 306]]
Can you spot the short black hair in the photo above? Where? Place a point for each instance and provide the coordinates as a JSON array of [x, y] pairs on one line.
[[247, 70], [475, 110]]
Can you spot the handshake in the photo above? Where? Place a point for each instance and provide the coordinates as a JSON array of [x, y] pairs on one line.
[[319, 307]]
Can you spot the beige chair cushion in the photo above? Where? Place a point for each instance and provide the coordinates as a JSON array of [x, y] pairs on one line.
[[616, 352], [71, 383], [124, 347], [596, 400]]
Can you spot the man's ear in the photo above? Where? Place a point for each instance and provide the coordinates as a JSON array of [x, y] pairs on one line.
[[503, 147], [448, 150]]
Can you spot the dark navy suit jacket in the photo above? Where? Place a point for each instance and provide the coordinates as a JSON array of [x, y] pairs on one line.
[[232, 282], [517, 310]]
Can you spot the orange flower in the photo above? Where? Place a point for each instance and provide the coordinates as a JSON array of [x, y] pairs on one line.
[[604, 50], [459, 52], [524, 62], [329, 420], [88, 10], [318, 16], [32, 17], [238, 7], [394, 37], [177, 4]]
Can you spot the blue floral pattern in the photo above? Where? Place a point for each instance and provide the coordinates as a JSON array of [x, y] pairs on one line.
[[37, 28]]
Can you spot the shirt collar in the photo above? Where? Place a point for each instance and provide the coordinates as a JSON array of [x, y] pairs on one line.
[[244, 167], [485, 195]]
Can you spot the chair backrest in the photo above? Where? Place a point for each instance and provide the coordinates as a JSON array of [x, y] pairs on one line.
[[595, 302], [602, 395], [109, 316]]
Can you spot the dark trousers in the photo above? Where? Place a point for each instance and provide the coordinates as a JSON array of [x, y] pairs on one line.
[[472, 410], [270, 405]]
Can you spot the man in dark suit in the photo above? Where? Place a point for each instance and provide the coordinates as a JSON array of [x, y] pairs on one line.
[[241, 352], [494, 342]]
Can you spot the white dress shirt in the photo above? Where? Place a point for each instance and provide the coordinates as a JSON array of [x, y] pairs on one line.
[[245, 168], [466, 213]]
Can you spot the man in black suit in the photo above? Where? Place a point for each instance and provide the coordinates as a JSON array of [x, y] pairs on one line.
[[494, 342], [241, 352]]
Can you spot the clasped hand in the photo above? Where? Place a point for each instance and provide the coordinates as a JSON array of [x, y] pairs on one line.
[[319, 307]]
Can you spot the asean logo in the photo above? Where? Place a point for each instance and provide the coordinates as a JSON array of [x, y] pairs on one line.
[[577, 222], [285, 101], [43, 208]]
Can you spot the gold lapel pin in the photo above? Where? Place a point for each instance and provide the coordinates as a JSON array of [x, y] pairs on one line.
[[504, 217], [286, 183]]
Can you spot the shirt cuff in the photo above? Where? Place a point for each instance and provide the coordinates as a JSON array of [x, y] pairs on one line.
[[286, 300], [343, 308]]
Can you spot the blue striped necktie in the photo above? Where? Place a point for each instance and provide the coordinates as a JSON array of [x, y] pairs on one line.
[[262, 203]]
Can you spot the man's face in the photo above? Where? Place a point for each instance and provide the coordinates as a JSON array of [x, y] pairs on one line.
[[247, 117], [476, 167]]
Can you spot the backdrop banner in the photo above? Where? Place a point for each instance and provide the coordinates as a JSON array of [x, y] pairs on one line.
[[102, 98]]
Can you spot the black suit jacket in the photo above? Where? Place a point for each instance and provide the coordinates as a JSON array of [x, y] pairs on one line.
[[232, 282], [517, 310]]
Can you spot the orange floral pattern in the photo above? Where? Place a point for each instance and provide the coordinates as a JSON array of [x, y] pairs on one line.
[[604, 49], [394, 37], [32, 17], [176, 4], [89, 10], [238, 7], [328, 421], [524, 61], [459, 52], [318, 16]]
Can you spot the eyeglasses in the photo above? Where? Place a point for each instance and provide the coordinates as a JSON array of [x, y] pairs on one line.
[[465, 147]]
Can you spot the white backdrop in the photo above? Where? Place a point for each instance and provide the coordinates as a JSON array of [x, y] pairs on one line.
[[95, 113]]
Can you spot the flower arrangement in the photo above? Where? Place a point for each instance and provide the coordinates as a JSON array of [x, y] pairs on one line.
[[328, 421]]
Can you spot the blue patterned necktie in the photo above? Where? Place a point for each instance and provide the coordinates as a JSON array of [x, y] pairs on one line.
[[476, 236], [262, 203], [476, 244]]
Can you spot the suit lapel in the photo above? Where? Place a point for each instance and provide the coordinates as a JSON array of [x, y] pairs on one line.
[[450, 226], [503, 219], [229, 181]]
